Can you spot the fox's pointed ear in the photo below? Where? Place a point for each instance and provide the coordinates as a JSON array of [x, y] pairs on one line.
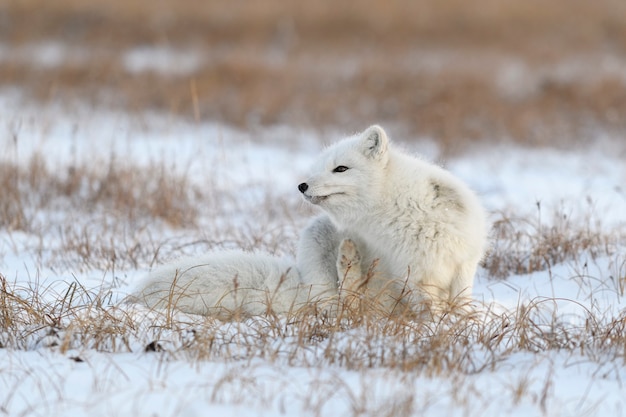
[[375, 142]]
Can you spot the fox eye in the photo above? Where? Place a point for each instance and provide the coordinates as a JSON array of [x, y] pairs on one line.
[[341, 168]]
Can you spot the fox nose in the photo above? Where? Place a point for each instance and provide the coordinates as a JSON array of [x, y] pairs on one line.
[[303, 187]]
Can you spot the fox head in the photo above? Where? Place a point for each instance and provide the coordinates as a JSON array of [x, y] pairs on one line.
[[348, 176]]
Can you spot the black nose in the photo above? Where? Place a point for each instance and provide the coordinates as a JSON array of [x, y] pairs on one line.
[[303, 187]]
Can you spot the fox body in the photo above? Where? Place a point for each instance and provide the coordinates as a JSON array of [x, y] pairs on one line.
[[425, 228], [396, 228]]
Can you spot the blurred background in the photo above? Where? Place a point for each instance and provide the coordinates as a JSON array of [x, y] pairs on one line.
[[543, 73]]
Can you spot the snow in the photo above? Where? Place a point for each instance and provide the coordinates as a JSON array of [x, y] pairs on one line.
[[54, 54], [41, 380], [45, 54], [162, 60]]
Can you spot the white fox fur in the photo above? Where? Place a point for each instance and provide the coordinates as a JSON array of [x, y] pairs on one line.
[[426, 229], [423, 230], [223, 284]]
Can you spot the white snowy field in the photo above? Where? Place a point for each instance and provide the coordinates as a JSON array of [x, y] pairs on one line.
[[93, 199]]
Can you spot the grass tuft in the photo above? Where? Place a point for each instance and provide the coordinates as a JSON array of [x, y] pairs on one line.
[[523, 246], [128, 192]]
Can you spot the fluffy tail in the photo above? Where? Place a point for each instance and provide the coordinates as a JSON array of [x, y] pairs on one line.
[[225, 284]]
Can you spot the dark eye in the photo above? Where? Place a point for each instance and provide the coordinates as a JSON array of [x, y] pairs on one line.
[[341, 168]]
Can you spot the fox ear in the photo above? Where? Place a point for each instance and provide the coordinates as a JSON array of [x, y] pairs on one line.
[[374, 142]]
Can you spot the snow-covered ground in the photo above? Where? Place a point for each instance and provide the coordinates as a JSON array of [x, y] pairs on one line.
[[41, 378]]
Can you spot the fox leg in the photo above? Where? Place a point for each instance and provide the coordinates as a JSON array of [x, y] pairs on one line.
[[317, 258]]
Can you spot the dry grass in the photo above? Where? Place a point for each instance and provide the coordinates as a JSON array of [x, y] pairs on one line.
[[79, 319], [457, 71], [76, 317], [522, 246], [130, 193]]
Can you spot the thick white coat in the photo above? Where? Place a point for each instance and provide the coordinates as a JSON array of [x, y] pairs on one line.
[[223, 284], [423, 229]]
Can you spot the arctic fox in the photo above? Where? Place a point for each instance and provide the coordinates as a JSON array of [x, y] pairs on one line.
[[424, 228], [397, 229]]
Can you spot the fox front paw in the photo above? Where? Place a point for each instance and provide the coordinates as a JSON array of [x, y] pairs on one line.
[[348, 266], [348, 255]]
